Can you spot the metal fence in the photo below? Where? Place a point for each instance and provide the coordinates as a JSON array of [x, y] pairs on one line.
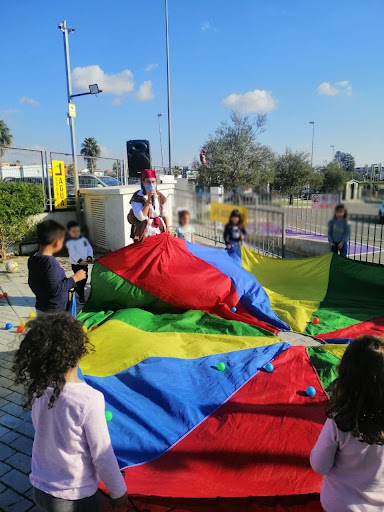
[[366, 242], [28, 165], [265, 224], [33, 166]]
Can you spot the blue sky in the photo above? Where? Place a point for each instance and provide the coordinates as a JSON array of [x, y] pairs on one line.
[[298, 60]]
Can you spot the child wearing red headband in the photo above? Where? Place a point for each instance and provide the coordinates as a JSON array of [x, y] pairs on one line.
[[149, 214]]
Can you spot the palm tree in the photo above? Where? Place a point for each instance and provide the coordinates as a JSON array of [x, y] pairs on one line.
[[5, 137], [90, 148]]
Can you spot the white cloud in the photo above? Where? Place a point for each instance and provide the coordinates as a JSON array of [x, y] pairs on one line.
[[145, 92], [29, 101], [151, 67], [342, 87], [117, 84], [252, 101], [206, 25]]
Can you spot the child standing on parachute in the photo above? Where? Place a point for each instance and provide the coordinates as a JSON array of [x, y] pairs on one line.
[[72, 447], [349, 451], [339, 231]]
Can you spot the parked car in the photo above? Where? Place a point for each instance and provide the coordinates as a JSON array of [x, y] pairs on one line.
[[110, 181], [87, 181]]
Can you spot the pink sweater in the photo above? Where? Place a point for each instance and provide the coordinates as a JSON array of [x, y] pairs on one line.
[[353, 471], [72, 447]]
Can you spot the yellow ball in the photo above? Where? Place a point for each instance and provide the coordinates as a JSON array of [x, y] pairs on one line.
[[22, 324], [32, 315]]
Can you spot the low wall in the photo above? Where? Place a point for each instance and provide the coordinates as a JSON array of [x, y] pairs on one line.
[[106, 211], [306, 246]]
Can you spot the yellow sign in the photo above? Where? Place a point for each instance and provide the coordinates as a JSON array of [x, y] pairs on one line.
[[220, 212], [59, 184], [71, 110]]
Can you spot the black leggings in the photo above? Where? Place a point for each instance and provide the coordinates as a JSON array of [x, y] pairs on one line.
[[80, 285], [48, 503]]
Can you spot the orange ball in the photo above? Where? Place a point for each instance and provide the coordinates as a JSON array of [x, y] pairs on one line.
[[316, 320], [20, 329]]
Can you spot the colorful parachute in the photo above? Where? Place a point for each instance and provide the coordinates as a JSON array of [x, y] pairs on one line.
[[191, 437]]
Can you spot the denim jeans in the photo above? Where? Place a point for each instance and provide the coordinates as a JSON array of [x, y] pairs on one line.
[[343, 251], [48, 503]]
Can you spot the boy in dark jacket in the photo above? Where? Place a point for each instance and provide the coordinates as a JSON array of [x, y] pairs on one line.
[[46, 276]]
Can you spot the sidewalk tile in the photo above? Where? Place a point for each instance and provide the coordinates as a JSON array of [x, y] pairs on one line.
[[21, 462], [5, 451], [17, 481], [23, 445]]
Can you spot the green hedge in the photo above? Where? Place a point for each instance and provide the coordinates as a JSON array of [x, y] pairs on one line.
[[18, 201]]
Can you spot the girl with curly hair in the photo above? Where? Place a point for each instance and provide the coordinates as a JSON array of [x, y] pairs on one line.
[[350, 449], [72, 447]]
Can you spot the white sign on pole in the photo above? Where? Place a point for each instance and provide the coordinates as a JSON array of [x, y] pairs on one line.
[[325, 201]]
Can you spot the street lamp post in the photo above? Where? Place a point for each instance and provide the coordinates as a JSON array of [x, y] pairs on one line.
[[313, 138], [168, 90], [71, 120], [333, 152], [93, 89], [161, 142]]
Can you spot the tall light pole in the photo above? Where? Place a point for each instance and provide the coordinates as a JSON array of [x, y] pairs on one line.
[[333, 152], [93, 89], [161, 142], [313, 138], [66, 30], [169, 91]]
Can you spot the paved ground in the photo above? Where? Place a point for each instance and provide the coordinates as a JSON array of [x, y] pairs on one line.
[[16, 430]]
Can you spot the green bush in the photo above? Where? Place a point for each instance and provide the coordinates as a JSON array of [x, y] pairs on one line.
[[18, 201]]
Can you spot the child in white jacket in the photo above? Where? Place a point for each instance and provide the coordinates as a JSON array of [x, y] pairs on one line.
[[80, 255]]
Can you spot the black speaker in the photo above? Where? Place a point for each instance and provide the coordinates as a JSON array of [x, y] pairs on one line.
[[139, 157]]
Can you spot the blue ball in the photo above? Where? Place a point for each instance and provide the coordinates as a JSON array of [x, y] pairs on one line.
[[8, 327], [311, 391], [233, 309], [269, 367]]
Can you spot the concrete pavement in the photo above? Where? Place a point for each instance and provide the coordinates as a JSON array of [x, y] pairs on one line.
[[16, 430]]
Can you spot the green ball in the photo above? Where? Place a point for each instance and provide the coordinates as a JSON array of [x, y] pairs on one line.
[[221, 367], [108, 415]]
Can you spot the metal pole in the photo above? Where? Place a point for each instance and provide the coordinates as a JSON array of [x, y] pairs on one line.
[[169, 91], [71, 119], [49, 180], [313, 138], [161, 144]]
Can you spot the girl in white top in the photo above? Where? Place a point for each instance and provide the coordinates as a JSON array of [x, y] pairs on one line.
[[72, 447]]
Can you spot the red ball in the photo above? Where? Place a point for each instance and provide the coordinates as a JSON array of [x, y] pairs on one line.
[[94, 327], [5, 294], [20, 329], [1, 296], [316, 320]]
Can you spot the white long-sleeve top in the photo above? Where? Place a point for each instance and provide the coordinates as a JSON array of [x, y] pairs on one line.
[[152, 213], [79, 249], [72, 447]]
